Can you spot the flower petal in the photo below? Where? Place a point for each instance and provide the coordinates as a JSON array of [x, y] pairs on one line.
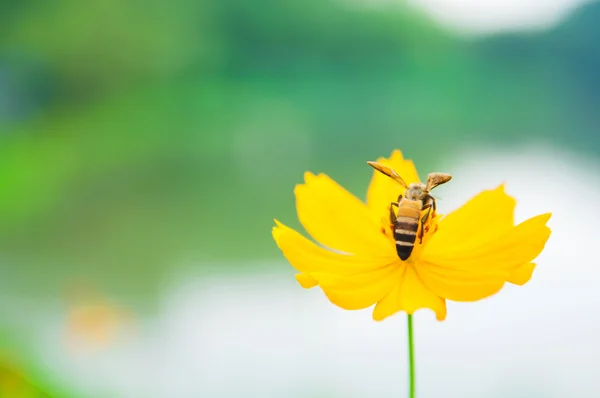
[[522, 274], [477, 270], [337, 219], [361, 290], [383, 190], [307, 257], [487, 215], [410, 294], [306, 281], [460, 286]]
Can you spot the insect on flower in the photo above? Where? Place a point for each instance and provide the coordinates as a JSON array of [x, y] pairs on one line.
[[466, 255], [416, 199]]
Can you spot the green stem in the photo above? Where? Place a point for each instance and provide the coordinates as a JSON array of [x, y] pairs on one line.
[[411, 358]]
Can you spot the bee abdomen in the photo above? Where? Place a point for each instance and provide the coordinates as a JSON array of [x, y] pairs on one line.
[[405, 234]]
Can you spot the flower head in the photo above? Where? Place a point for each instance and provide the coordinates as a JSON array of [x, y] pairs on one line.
[[466, 255]]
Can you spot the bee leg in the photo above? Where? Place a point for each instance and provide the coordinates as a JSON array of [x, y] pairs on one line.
[[432, 203], [424, 219], [392, 214]]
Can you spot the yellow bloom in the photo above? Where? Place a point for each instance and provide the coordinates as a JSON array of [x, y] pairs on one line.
[[466, 255]]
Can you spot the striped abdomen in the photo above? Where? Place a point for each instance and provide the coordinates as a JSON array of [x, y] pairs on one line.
[[406, 226]]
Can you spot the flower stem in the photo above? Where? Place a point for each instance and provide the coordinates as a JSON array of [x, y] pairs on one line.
[[411, 358]]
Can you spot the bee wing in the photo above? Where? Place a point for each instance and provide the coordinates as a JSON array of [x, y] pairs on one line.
[[388, 171], [435, 179]]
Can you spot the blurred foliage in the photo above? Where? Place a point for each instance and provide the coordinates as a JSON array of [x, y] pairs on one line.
[[14, 385], [136, 136], [24, 379]]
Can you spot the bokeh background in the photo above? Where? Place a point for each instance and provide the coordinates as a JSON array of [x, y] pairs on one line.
[[145, 148]]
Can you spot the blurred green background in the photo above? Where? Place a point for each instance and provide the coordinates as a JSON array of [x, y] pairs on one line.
[[138, 137]]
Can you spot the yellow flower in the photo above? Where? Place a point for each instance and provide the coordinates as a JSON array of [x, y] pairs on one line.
[[466, 255]]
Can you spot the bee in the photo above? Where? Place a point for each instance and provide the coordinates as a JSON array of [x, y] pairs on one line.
[[416, 199]]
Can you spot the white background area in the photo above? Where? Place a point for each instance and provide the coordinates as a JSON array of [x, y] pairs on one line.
[[490, 16]]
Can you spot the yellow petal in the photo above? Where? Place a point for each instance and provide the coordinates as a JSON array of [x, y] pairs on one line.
[[478, 270], [307, 257], [409, 295], [337, 219], [362, 290], [383, 190], [306, 281], [522, 274], [486, 216], [460, 286]]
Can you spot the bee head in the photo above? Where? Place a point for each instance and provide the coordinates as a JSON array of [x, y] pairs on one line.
[[416, 191]]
